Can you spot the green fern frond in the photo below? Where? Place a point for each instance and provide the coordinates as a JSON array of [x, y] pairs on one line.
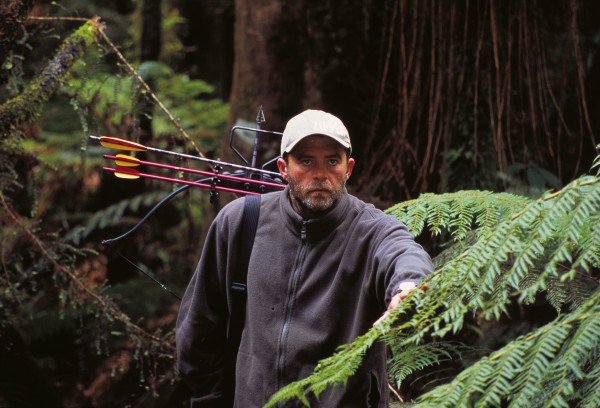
[[454, 249], [457, 212], [565, 234], [537, 363], [537, 369], [561, 293], [591, 389], [534, 244], [113, 214], [409, 358], [567, 369]]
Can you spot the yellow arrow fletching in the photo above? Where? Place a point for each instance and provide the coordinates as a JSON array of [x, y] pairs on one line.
[[126, 161], [121, 144], [126, 173]]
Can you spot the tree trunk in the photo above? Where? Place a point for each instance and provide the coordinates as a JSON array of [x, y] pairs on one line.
[[268, 65], [151, 44], [290, 56], [208, 42]]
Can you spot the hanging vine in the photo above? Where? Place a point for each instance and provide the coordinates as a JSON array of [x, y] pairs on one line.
[[494, 86]]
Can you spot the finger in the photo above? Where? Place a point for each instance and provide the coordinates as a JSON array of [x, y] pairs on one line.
[[382, 318], [395, 301]]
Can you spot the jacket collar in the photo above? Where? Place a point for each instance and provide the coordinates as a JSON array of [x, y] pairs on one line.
[[315, 226]]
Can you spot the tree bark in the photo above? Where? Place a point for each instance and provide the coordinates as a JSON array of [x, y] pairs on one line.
[[268, 64], [208, 42], [151, 45]]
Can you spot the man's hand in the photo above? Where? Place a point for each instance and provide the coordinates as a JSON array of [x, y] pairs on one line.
[[403, 290]]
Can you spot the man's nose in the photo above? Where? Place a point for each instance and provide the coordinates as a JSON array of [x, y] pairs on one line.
[[320, 171]]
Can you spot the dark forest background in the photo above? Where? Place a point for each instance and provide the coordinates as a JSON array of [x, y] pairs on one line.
[[438, 96]]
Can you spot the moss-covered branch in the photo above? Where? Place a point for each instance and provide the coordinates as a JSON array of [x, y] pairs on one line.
[[28, 105]]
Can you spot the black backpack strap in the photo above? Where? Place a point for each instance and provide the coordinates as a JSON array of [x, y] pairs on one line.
[[239, 294]]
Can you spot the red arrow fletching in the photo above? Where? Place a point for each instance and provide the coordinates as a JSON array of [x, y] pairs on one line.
[[126, 173], [121, 144]]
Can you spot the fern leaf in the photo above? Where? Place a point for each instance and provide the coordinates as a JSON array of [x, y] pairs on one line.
[[457, 212], [537, 364], [554, 355], [113, 214], [409, 359], [461, 392], [506, 261], [591, 391], [571, 365]]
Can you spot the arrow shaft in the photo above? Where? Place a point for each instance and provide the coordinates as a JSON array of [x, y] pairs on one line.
[[189, 156], [178, 181], [193, 171]]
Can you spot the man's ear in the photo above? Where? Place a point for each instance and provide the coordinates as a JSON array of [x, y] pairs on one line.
[[282, 166], [350, 167]]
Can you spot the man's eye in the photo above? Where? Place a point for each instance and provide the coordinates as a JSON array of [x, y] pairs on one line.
[[334, 162], [306, 162]]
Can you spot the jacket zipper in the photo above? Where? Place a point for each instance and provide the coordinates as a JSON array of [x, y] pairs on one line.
[[290, 305]]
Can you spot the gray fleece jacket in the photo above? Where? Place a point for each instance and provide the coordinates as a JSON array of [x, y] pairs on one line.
[[312, 286]]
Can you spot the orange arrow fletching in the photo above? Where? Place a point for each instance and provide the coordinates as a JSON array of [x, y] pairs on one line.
[[121, 144], [126, 173], [126, 161]]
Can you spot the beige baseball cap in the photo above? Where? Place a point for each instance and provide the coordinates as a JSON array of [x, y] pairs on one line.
[[314, 122]]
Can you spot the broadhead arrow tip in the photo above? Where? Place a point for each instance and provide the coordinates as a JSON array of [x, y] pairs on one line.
[[260, 118]]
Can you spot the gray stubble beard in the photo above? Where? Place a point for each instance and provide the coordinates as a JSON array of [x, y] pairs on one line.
[[313, 206]]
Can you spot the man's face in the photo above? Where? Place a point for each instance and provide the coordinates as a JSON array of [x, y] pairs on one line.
[[316, 170]]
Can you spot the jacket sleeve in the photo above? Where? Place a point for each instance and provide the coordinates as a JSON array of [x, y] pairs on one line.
[[399, 258], [202, 321]]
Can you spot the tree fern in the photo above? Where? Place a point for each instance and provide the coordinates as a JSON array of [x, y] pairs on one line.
[[406, 360], [457, 212], [113, 214], [521, 248], [591, 389], [533, 370]]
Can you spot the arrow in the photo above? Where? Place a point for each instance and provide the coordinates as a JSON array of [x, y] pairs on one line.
[[260, 118], [122, 160], [129, 173], [122, 144]]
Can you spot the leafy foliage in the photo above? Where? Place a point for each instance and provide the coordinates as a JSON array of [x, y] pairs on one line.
[[113, 328], [28, 105], [107, 101], [60, 288], [113, 214], [523, 248], [457, 212], [411, 358]]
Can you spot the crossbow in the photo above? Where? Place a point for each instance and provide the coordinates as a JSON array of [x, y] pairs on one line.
[[239, 179]]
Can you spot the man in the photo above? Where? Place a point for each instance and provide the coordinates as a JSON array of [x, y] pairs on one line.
[[323, 268]]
